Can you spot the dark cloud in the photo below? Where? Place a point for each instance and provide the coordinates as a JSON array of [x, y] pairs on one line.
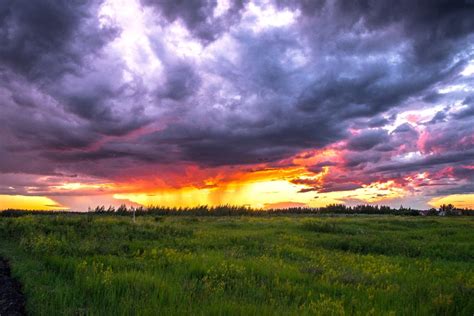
[[425, 163], [198, 16], [335, 187], [317, 168], [360, 160], [35, 118], [439, 117], [57, 47], [48, 38], [181, 82], [404, 138], [367, 140], [366, 94], [74, 100], [424, 37], [434, 26], [446, 138], [461, 189], [222, 145], [378, 122], [467, 112], [108, 106]]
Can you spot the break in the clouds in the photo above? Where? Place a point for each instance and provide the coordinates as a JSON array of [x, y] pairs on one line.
[[199, 101]]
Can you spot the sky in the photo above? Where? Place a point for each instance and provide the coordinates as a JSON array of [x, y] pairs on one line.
[[263, 103]]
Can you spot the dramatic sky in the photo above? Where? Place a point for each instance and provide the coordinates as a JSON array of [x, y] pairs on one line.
[[250, 102]]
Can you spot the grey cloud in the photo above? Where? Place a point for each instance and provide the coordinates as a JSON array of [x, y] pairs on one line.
[[439, 117], [181, 82], [335, 187], [367, 140], [378, 122], [466, 112], [445, 137], [48, 38], [358, 160], [198, 15], [461, 189], [453, 157], [266, 97], [317, 168]]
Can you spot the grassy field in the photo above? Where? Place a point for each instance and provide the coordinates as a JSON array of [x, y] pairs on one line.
[[364, 265]]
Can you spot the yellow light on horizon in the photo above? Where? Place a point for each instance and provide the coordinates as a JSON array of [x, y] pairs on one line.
[[458, 200], [25, 202], [255, 194]]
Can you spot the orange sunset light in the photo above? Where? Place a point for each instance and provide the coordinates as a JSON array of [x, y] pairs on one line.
[[29, 203]]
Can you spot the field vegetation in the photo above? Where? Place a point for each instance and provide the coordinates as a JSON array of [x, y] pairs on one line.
[[103, 264]]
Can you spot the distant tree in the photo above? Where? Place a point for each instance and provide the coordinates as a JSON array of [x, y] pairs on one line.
[[467, 212], [447, 209]]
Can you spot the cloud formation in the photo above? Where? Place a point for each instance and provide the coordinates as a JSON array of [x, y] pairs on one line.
[[141, 95]]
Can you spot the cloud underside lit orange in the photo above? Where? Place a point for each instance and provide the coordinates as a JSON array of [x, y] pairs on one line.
[[285, 184], [271, 194], [260, 192]]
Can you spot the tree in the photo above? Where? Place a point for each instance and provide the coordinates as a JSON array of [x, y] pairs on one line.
[[448, 209]]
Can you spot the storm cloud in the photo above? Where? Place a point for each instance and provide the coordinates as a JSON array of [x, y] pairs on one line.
[[86, 89]]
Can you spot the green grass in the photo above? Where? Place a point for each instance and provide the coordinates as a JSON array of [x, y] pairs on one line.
[[364, 265]]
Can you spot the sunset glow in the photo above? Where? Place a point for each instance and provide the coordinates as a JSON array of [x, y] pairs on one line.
[[29, 202]]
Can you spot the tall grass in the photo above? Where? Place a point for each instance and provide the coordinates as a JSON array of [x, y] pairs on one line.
[[97, 264]]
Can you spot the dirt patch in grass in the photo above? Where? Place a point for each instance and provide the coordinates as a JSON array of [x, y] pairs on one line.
[[12, 301]]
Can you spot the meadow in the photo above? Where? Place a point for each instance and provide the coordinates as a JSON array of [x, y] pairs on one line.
[[95, 264]]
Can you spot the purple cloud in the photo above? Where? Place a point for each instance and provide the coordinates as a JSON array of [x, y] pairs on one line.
[[87, 90]]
